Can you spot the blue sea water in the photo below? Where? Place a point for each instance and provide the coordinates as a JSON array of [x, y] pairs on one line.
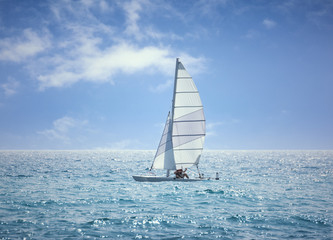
[[91, 195]]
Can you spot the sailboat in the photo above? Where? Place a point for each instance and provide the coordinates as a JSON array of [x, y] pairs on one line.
[[184, 133]]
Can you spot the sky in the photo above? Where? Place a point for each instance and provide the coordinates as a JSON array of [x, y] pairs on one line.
[[98, 74]]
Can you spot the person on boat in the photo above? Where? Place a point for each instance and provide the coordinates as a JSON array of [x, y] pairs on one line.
[[180, 173]]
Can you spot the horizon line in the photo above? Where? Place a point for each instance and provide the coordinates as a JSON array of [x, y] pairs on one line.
[[111, 149]]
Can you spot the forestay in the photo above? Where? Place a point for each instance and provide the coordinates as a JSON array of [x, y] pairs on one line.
[[184, 132]]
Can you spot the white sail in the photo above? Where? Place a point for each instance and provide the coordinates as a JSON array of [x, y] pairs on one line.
[[164, 158], [184, 132], [188, 120]]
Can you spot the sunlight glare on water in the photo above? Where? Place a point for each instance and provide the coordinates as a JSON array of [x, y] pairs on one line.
[[91, 194]]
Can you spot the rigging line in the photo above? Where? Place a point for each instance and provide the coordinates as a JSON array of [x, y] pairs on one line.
[[198, 170]]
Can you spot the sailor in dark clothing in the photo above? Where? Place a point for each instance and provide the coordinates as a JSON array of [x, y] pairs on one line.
[[180, 173]]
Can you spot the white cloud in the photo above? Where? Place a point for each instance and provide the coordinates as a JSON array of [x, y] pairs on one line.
[[84, 56], [162, 87], [87, 49], [28, 45], [145, 31], [88, 63], [132, 10], [210, 128], [269, 24], [10, 87], [62, 129]]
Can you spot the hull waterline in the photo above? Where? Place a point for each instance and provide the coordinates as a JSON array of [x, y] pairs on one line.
[[164, 179]]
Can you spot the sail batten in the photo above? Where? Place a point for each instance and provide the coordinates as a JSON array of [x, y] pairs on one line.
[[184, 133]]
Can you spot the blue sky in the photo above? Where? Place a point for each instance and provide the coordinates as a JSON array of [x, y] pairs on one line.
[[98, 74]]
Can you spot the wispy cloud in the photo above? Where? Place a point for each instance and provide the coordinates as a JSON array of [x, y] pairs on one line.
[[269, 24], [27, 45], [161, 87], [84, 56], [62, 129], [251, 34], [210, 8], [211, 128], [10, 87], [86, 47], [145, 30], [132, 10]]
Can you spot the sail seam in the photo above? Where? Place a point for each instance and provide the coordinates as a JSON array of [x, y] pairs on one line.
[[165, 143], [189, 121], [187, 135], [179, 145], [187, 106], [181, 149], [189, 114]]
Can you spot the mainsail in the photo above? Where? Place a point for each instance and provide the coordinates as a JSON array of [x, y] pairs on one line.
[[184, 132]]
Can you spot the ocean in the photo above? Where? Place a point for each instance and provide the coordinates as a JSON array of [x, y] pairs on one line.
[[91, 195]]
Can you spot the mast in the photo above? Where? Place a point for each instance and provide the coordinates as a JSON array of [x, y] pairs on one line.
[[174, 92], [173, 103], [164, 157]]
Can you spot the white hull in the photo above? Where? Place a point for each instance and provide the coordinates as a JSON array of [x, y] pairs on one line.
[[163, 179]]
